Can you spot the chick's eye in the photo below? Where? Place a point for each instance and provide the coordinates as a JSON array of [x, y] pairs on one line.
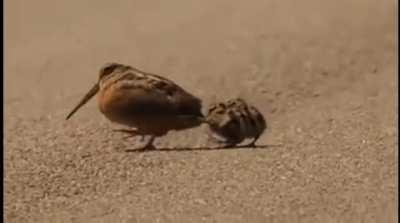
[[211, 109]]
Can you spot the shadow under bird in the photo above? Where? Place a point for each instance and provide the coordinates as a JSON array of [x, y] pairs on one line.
[[148, 103]]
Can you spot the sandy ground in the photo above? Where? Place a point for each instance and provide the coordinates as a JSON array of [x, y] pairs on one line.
[[322, 72]]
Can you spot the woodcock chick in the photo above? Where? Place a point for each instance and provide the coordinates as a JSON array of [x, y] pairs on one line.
[[149, 103], [235, 121]]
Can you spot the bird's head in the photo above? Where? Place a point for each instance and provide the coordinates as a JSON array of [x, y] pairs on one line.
[[106, 71]]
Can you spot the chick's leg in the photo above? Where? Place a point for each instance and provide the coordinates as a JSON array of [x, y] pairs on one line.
[[252, 144]]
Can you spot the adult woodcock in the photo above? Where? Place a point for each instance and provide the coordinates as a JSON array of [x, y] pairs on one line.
[[149, 104]]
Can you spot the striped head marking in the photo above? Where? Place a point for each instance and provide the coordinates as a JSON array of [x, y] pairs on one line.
[[236, 103], [108, 69]]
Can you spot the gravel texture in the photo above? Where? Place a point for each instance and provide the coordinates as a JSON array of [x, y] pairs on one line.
[[322, 72]]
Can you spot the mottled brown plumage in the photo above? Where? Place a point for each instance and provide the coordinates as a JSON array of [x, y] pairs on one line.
[[235, 121], [151, 104]]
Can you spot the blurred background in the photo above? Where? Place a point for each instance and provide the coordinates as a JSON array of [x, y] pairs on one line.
[[322, 72]]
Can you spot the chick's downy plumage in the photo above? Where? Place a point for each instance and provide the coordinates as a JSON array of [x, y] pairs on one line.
[[235, 120]]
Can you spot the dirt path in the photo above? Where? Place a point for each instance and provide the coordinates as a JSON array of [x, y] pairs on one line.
[[323, 73]]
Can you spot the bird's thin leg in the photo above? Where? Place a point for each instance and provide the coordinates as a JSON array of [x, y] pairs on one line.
[[226, 143], [252, 144], [230, 143], [149, 145], [215, 139], [142, 138]]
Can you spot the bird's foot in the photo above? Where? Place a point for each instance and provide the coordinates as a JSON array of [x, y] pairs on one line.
[[146, 148], [149, 145]]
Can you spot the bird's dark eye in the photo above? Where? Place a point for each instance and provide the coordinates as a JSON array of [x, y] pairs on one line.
[[108, 69], [212, 108]]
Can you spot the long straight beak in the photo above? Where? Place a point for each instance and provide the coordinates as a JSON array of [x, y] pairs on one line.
[[85, 99]]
